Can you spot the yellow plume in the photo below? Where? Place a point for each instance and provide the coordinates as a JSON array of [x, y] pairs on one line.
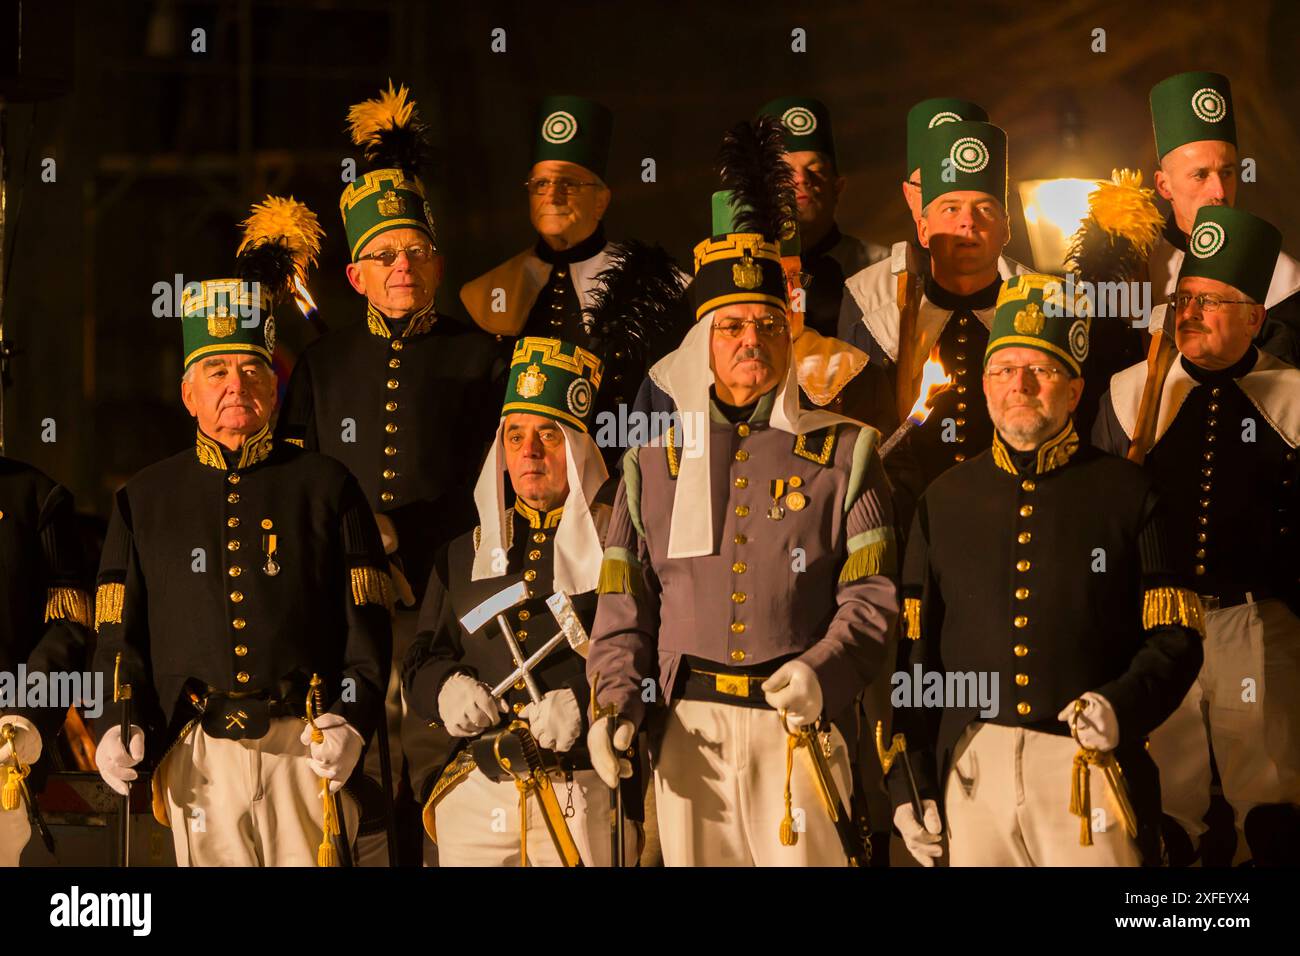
[[1122, 207], [391, 108], [289, 222]]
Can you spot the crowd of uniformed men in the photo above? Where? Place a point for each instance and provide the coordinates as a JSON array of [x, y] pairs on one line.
[[421, 590]]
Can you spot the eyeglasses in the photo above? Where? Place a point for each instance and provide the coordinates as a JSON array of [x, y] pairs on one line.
[[1003, 374], [540, 187], [766, 327], [1208, 301], [419, 252]]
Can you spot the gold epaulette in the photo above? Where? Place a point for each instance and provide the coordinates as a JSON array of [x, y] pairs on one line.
[[1164, 606], [616, 573], [372, 586], [296, 441], [874, 558], [108, 604], [912, 618], [68, 604]]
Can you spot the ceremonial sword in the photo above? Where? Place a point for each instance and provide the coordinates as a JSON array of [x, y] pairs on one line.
[[536, 779], [855, 849], [122, 695]]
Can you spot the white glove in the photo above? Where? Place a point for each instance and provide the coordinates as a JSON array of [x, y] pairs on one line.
[[923, 842], [335, 756], [115, 761], [604, 760], [466, 706], [556, 721], [795, 689], [27, 740], [1098, 726]]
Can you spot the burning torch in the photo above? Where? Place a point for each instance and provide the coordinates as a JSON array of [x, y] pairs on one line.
[[933, 382]]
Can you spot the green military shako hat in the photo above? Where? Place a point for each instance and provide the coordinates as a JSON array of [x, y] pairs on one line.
[[220, 316], [1234, 247], [574, 129], [1189, 107], [735, 267], [805, 122], [1033, 312], [968, 155], [280, 241], [389, 194], [554, 379], [928, 114]]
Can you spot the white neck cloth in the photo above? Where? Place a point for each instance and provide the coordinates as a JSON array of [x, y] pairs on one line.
[[578, 548], [684, 374]]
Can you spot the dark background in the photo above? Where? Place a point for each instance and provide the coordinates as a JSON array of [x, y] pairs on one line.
[[160, 150]]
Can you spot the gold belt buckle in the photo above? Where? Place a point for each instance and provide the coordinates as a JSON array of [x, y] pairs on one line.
[[735, 685]]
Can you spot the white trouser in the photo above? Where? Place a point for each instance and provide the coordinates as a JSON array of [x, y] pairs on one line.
[[478, 823], [15, 831], [719, 790], [1007, 803], [246, 802], [1246, 705]]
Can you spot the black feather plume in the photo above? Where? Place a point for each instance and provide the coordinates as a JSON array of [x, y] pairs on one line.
[[269, 263], [400, 147], [390, 132], [754, 169], [634, 309]]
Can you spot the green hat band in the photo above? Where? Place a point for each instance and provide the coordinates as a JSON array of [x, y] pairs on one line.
[[1235, 247], [573, 129], [928, 114], [806, 123], [381, 200], [1032, 312], [554, 379], [735, 269], [1190, 107], [964, 156], [221, 316]]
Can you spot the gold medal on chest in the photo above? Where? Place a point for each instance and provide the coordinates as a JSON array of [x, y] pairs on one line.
[[269, 545], [776, 488]]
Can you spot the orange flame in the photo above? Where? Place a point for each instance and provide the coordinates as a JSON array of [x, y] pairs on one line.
[[933, 381], [306, 304]]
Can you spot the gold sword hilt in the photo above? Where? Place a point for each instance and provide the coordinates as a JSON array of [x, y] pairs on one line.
[[121, 691], [326, 853], [897, 746], [10, 797], [313, 708], [1105, 761], [597, 711]]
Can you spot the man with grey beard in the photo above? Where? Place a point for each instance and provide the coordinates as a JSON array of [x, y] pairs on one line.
[[1029, 562]]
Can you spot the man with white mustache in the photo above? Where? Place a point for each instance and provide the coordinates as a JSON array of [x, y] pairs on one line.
[[746, 590]]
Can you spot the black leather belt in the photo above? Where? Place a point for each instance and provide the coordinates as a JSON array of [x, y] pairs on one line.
[[243, 717], [706, 680]]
